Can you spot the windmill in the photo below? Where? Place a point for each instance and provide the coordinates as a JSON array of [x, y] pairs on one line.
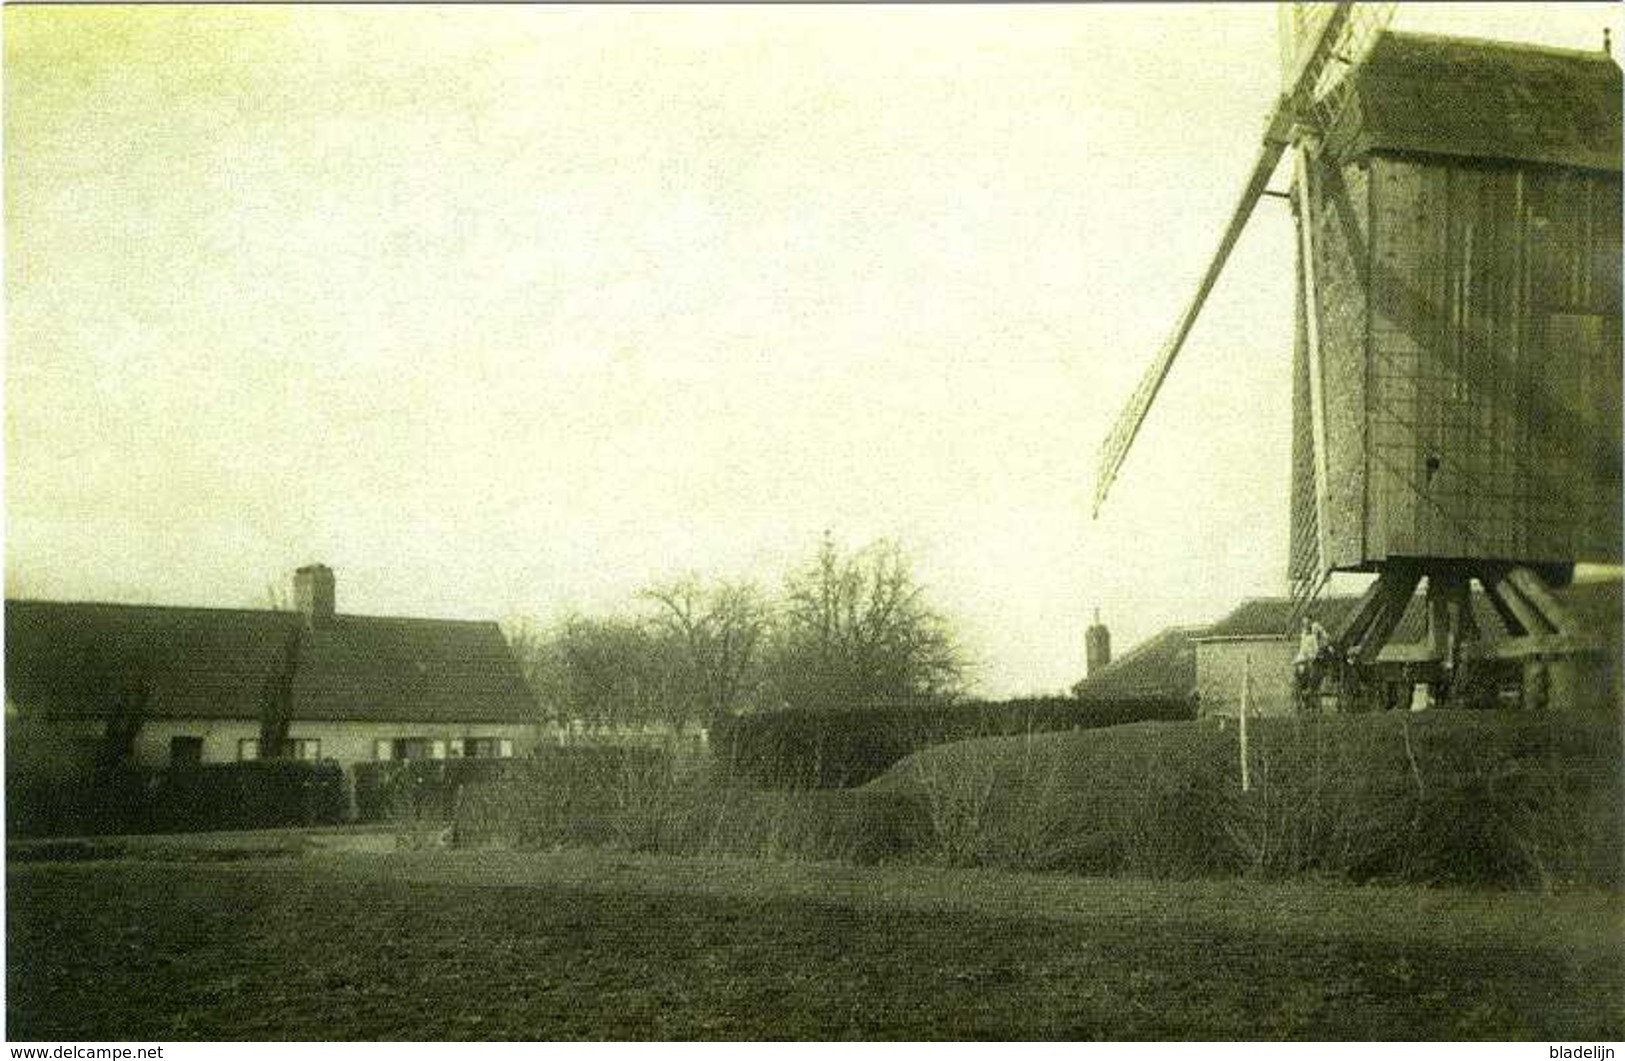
[[1456, 410]]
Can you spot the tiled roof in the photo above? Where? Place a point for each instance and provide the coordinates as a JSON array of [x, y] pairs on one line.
[[1160, 667], [1482, 99], [1272, 617], [71, 660]]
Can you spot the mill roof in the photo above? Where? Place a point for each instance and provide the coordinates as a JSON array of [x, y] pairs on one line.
[[1161, 667], [1427, 94], [71, 660]]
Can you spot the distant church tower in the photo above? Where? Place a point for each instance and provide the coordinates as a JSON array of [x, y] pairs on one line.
[[1097, 646]]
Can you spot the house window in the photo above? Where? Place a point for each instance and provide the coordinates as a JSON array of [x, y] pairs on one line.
[[294, 748], [410, 748], [185, 751], [484, 747]]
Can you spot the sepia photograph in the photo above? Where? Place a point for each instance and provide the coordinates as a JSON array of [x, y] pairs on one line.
[[674, 523]]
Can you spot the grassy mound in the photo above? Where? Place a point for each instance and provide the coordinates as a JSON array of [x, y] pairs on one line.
[[1492, 798]]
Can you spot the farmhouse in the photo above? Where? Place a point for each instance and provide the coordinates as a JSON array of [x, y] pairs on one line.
[[202, 685]]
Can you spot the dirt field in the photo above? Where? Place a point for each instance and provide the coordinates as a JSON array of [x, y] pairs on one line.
[[459, 945]]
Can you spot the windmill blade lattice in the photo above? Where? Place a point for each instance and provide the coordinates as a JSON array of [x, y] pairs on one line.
[[1355, 37], [1307, 67]]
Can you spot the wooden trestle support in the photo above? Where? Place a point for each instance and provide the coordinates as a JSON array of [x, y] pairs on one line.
[[1548, 648]]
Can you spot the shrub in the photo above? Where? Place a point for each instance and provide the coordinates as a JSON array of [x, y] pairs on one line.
[[851, 825], [1466, 798], [428, 789], [562, 795], [693, 817], [415, 789], [1450, 797], [799, 748]]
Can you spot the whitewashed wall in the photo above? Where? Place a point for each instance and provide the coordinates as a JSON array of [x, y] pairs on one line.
[[347, 742], [1219, 667]]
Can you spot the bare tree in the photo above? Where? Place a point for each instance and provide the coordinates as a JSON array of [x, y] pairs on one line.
[[118, 675], [604, 672], [714, 635], [856, 629], [276, 695], [536, 653], [850, 630]]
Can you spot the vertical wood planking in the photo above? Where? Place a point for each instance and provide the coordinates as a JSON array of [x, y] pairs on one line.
[[1394, 348], [1494, 316], [1517, 431], [1434, 276], [1555, 220]]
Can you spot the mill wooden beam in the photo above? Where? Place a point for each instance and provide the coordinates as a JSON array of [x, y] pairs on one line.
[[1551, 609], [1397, 589], [1348, 637], [1529, 617], [1492, 592]]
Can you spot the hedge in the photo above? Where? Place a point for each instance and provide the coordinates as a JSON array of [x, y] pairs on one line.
[[262, 794], [803, 748], [428, 789]]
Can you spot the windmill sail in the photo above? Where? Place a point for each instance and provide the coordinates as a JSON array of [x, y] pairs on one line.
[[1308, 66]]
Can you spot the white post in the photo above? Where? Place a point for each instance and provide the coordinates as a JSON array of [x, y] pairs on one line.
[[1246, 698]]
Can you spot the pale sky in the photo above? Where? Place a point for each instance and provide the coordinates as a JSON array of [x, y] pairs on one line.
[[510, 311]]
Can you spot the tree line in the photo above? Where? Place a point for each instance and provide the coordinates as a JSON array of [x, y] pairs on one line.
[[849, 628]]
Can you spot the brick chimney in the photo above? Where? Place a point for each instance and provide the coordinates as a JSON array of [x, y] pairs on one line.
[[313, 594], [1097, 646]]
